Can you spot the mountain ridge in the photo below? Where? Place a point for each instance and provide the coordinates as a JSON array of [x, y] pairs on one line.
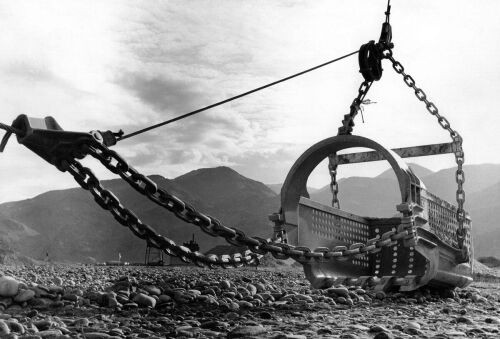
[[72, 227]]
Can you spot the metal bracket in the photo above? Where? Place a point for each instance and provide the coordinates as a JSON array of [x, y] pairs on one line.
[[46, 138], [404, 152]]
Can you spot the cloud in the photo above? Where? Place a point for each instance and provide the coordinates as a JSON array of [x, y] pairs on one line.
[[162, 93], [28, 71], [270, 166], [32, 73], [129, 65]]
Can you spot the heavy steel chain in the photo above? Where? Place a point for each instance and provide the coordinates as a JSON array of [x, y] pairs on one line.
[[346, 128], [457, 141], [108, 201], [9, 130], [348, 122], [116, 164], [334, 185]]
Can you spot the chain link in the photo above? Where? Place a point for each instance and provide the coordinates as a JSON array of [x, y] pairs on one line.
[[184, 211], [334, 185], [348, 122], [457, 142], [346, 128]]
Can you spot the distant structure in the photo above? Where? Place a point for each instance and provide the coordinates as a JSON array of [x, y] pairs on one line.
[[155, 256], [192, 245]]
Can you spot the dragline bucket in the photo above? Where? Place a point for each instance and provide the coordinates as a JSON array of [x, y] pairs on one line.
[[429, 255]]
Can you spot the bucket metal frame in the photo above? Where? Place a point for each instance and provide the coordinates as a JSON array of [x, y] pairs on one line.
[[433, 259]]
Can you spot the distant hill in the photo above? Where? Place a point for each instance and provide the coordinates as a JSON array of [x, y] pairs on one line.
[[70, 226], [489, 261], [484, 208], [420, 171], [276, 188], [477, 178]]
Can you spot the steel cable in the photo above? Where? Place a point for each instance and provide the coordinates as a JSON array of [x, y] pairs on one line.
[[180, 117]]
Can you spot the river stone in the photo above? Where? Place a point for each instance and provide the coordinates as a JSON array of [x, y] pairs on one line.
[[246, 331], [252, 289], [338, 291], [348, 336], [225, 284], [383, 335], [245, 304], [492, 320], [477, 298], [112, 302], [9, 286], [358, 327], [24, 295], [4, 328], [152, 290], [16, 327], [43, 325], [465, 320], [144, 300], [378, 328], [70, 297], [98, 335], [260, 287], [164, 298], [121, 299], [265, 315], [455, 334], [215, 325], [81, 322], [233, 306], [50, 333], [341, 300], [324, 331], [413, 324]]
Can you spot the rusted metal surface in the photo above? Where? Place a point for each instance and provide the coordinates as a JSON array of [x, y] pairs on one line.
[[404, 152]]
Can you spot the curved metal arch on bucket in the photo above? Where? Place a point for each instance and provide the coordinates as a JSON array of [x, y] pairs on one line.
[[295, 184]]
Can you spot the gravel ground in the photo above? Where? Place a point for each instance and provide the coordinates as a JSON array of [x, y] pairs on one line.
[[63, 301]]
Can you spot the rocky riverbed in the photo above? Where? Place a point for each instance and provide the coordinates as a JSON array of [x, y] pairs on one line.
[[63, 301]]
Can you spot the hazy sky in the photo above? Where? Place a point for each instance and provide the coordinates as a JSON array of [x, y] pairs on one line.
[[117, 64]]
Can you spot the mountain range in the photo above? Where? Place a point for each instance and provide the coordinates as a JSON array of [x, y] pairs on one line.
[[67, 225]]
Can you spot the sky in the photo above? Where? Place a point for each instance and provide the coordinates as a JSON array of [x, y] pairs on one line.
[[112, 65]]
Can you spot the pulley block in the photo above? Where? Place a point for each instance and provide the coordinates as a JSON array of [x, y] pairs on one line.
[[370, 61]]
